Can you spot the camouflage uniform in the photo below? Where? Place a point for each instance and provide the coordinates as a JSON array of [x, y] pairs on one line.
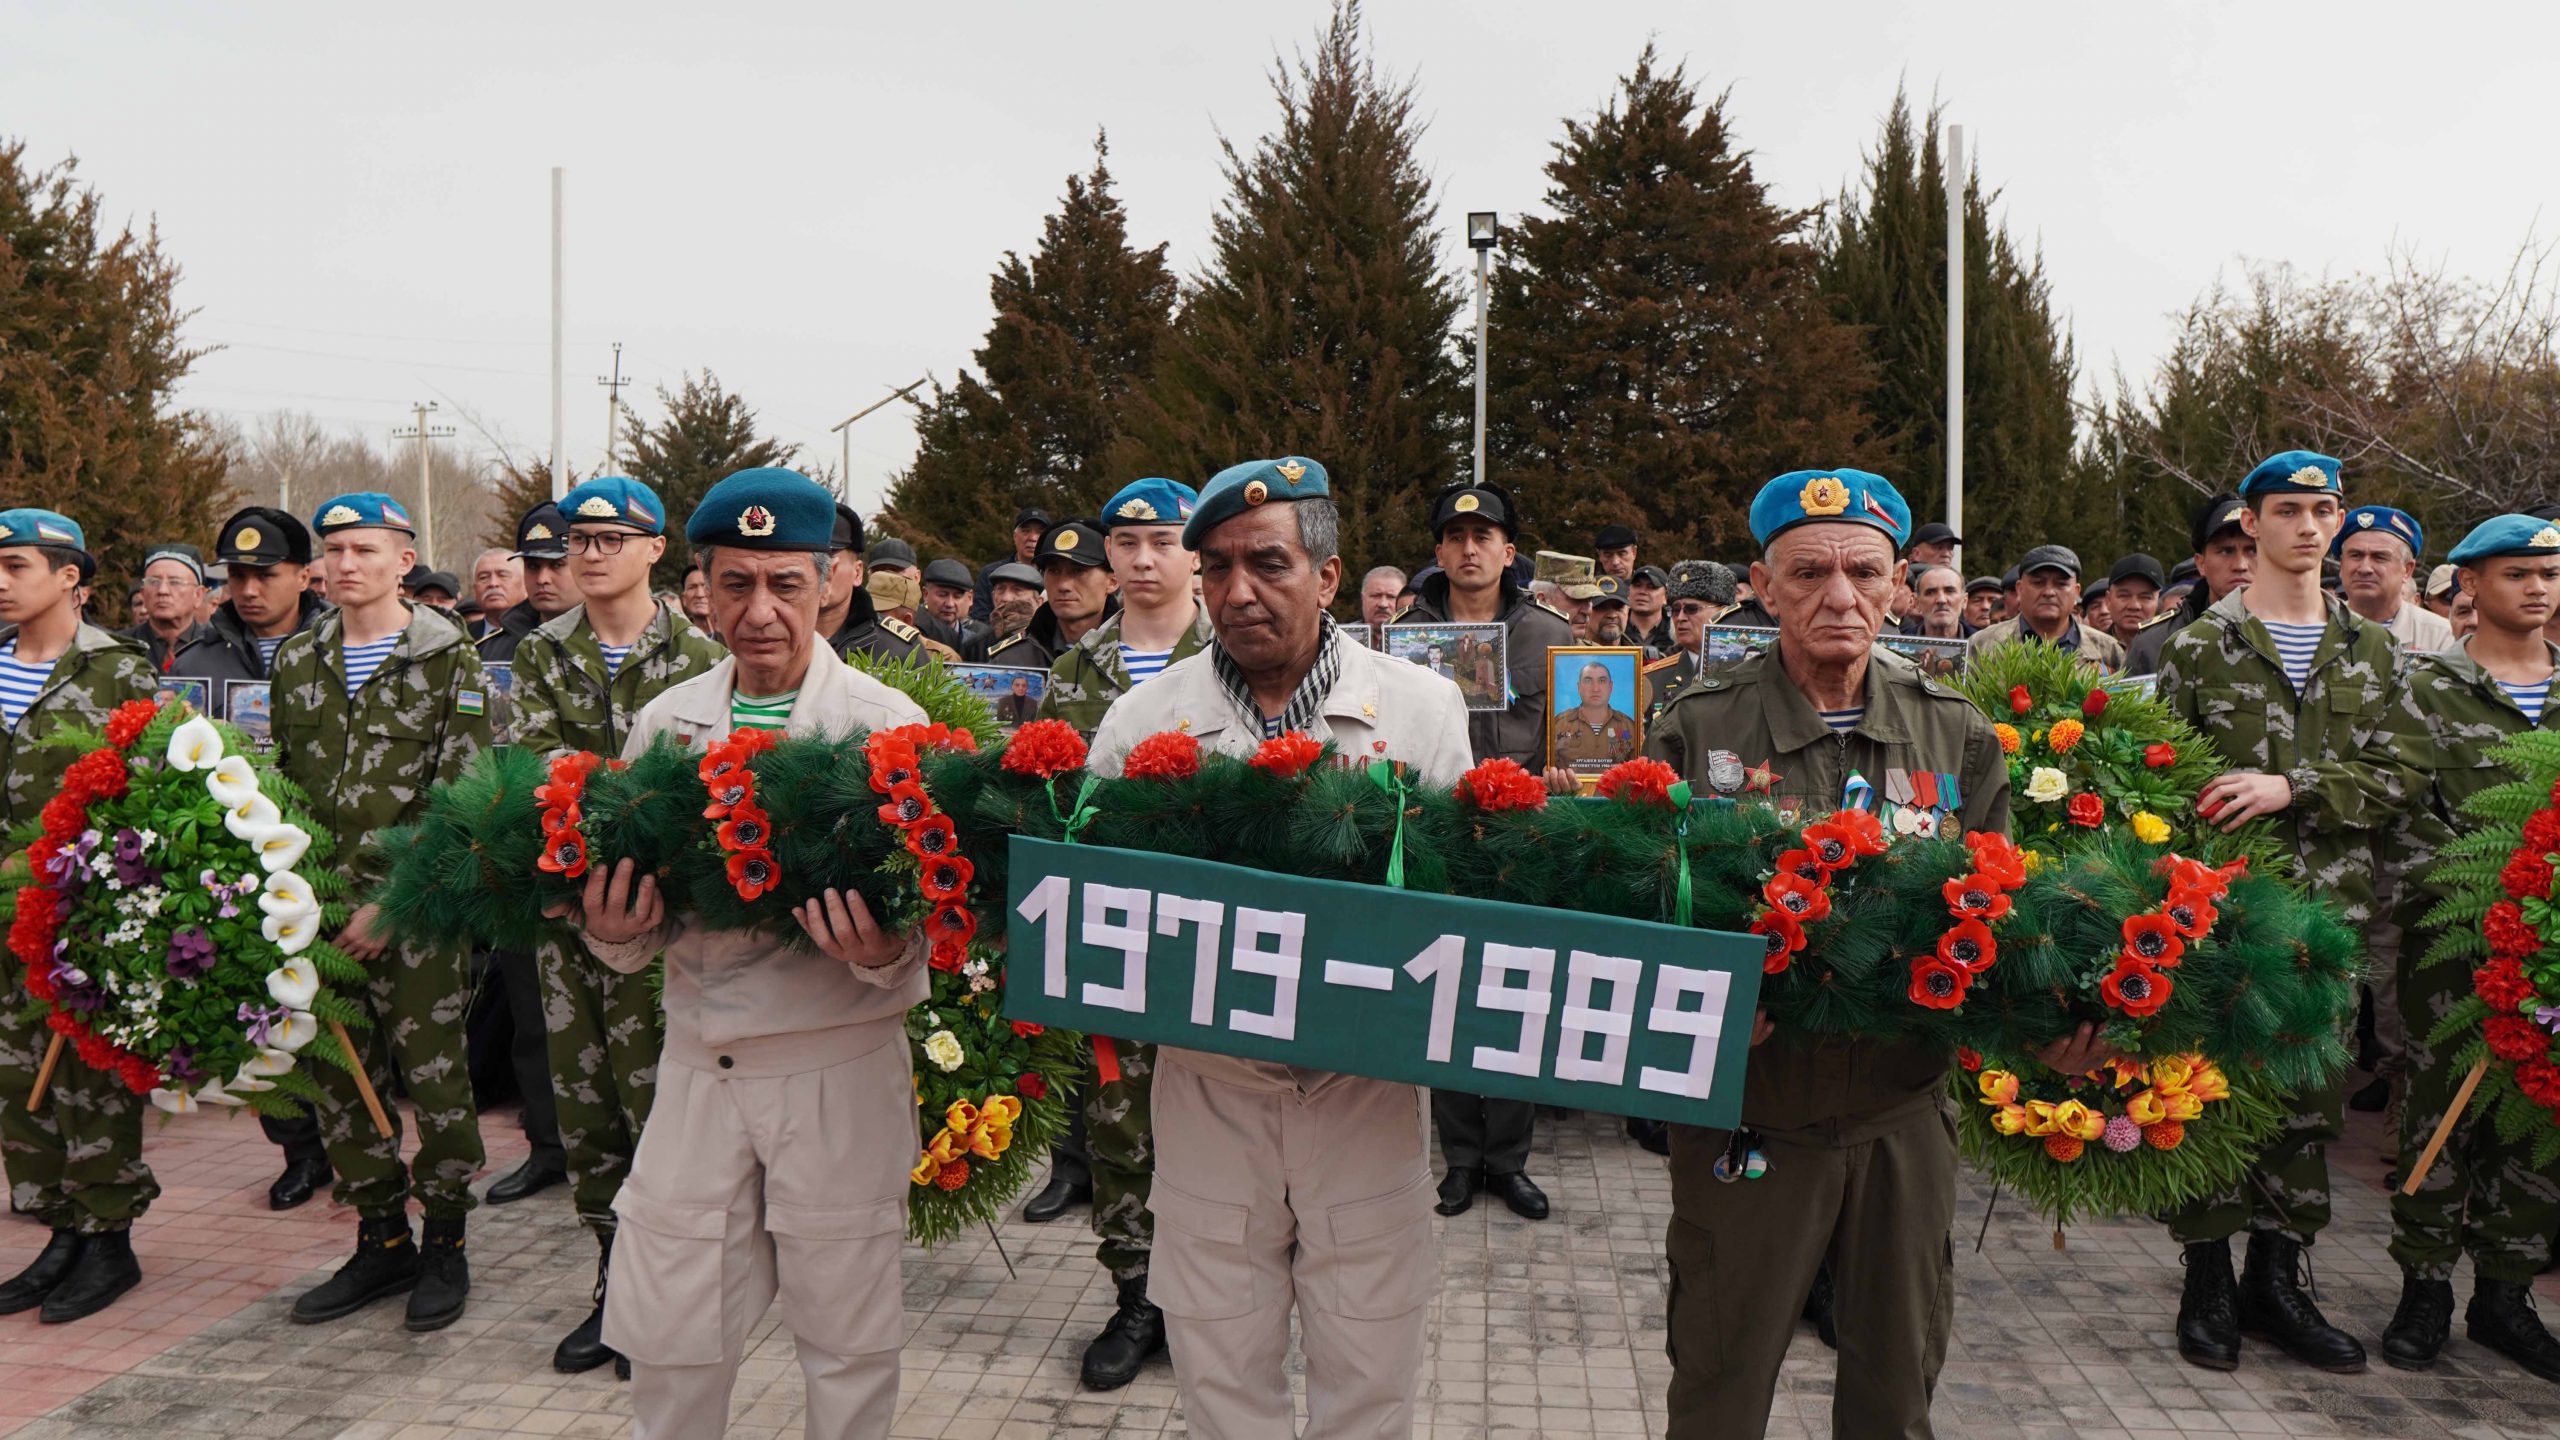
[[367, 762], [2484, 1197], [2348, 743], [602, 1026], [76, 1162], [1119, 1122]]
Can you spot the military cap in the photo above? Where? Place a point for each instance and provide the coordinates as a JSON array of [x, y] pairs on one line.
[[361, 510], [543, 534], [261, 535], [1580, 588], [947, 571], [2138, 567], [1488, 503], [444, 580], [1239, 488], [767, 508], [49, 530], [893, 589], [1030, 515], [1011, 570], [186, 555], [846, 533], [1152, 501], [1563, 569], [2293, 472], [1613, 537], [2051, 557], [1983, 585], [2442, 582], [2545, 512], [2400, 525], [1078, 541], [2184, 572], [1855, 497], [2094, 592], [1653, 575], [1936, 532], [1610, 590], [1702, 580], [2215, 516], [2504, 536], [416, 576], [891, 551], [2009, 578], [615, 500]]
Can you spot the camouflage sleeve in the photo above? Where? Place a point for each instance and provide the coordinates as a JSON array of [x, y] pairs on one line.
[[2417, 830], [537, 697], [2175, 685], [2384, 770], [464, 736], [129, 677]]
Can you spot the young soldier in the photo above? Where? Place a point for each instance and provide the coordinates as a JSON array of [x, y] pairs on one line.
[[1159, 625], [374, 705], [2484, 1198], [581, 679], [75, 1162], [2302, 697]]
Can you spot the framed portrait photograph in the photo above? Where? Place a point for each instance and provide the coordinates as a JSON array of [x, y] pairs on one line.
[[189, 691], [1940, 657], [502, 700], [1594, 700], [1013, 691], [245, 703], [1729, 643], [1477, 656]]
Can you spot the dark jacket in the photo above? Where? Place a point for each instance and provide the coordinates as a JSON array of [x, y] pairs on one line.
[[883, 637], [229, 651], [498, 647], [1038, 645], [163, 651], [2142, 654], [1518, 733]]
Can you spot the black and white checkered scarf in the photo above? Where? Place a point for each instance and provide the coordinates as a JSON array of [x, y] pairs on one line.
[[1305, 710]]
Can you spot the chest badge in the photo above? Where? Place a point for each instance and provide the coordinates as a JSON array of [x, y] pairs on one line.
[[1724, 772]]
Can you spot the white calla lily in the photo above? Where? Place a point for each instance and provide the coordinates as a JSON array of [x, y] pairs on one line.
[[248, 1082], [291, 934], [195, 745], [252, 818], [212, 1093], [295, 1031], [232, 781], [266, 1062], [288, 894], [282, 847], [176, 1102], [295, 983]]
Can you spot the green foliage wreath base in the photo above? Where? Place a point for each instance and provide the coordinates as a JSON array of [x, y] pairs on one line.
[[2218, 1147]]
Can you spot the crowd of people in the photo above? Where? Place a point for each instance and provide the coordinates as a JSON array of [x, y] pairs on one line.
[[2353, 703]]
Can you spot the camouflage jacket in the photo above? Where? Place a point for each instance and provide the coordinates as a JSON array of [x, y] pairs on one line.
[[2350, 743], [1089, 676], [2465, 714], [367, 761], [564, 700], [98, 673], [1518, 733]]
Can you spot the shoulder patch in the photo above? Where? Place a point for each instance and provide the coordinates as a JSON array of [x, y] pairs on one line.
[[469, 702], [1398, 617], [2160, 619], [1540, 602], [900, 628]]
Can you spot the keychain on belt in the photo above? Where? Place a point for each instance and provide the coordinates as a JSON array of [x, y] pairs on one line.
[[1742, 1158]]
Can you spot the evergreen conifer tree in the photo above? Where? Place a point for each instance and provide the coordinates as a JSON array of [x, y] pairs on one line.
[[706, 434]]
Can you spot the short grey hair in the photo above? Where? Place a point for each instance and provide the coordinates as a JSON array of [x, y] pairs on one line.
[[1319, 530], [704, 558], [1402, 579], [1923, 572]]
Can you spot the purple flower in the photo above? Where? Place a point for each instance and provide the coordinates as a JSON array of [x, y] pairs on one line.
[[2548, 1017], [75, 990], [261, 1019], [181, 1065], [190, 953], [63, 871]]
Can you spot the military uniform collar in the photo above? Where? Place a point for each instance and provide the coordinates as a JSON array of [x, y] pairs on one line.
[[1434, 593], [1794, 723], [2457, 658], [2233, 610]]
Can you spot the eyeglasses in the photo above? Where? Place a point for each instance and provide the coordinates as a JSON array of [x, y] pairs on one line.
[[171, 582], [601, 542]]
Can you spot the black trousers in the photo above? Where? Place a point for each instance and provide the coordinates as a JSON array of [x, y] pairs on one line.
[[1478, 1132], [507, 1054]]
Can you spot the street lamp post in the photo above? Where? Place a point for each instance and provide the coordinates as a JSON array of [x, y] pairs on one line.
[[1483, 229]]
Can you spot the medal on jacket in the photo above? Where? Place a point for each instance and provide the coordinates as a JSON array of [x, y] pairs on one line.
[[1857, 794], [1899, 796], [1950, 798]]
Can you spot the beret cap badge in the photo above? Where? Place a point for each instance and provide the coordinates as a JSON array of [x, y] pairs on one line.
[[538, 531], [1255, 492], [598, 507], [2548, 537], [2365, 519], [1466, 504], [1824, 495], [1136, 510], [1066, 540], [2312, 477], [340, 515], [755, 520], [1290, 470]]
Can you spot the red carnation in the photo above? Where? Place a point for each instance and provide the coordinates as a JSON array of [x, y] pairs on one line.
[[2154, 940], [1044, 750], [140, 1075], [2020, 702], [1969, 947], [2503, 984], [1171, 755], [2087, 810], [1640, 781], [2542, 831], [1287, 756], [2507, 932], [1937, 984], [2159, 757], [2513, 1038], [1025, 1029], [2527, 876], [1498, 785], [2095, 704], [1030, 1086], [2135, 988], [2539, 1079], [1975, 897], [1798, 897], [130, 720]]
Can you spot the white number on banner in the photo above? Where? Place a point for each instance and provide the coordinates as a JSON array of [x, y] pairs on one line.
[[1705, 1024], [1207, 918], [1047, 902], [1281, 963], [1581, 1021], [1530, 1000], [1441, 962], [1130, 939]]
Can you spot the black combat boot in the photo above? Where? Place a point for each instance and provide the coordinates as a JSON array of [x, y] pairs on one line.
[[26, 1290], [444, 1276], [304, 1176], [1135, 1335], [1822, 1305], [2273, 1306], [385, 1264], [2501, 1316], [2209, 1311], [2418, 1329], [105, 1270], [584, 1349], [1070, 1185]]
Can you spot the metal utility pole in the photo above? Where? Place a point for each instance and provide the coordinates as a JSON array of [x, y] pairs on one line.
[[426, 435], [1484, 230], [844, 432], [559, 457], [1955, 328], [612, 404]]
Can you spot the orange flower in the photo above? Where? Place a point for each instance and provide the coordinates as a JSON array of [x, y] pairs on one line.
[[2153, 940], [2064, 735], [1975, 897], [945, 879], [906, 806], [1999, 1087], [1798, 897], [953, 1176], [728, 793], [1785, 938], [933, 836], [1998, 857], [1968, 947], [893, 762], [2064, 1148], [747, 828], [2146, 1108], [752, 873], [2192, 912], [2165, 1135], [2008, 734], [2135, 988], [1937, 984], [564, 853]]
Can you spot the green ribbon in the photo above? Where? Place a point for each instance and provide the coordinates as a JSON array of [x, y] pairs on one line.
[[1084, 809], [1679, 794], [1388, 777]]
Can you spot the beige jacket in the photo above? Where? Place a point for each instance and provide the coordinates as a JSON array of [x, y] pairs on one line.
[[1380, 709], [746, 1002], [2096, 646]]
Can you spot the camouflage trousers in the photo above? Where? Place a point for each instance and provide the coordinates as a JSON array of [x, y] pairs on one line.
[[1120, 1133], [603, 1032], [2483, 1198], [2287, 1190], [75, 1163], [416, 999]]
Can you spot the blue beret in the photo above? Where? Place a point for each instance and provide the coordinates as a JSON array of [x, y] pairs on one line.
[[1239, 488], [616, 499], [2400, 525], [2500, 536], [49, 528], [363, 510], [1843, 496], [1150, 502], [2294, 472], [765, 509]]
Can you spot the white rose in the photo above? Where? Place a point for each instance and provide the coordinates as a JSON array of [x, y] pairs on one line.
[[232, 781], [295, 983], [944, 1051], [195, 745], [2047, 784], [281, 848]]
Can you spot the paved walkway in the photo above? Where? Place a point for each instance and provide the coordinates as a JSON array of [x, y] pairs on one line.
[[1551, 1330]]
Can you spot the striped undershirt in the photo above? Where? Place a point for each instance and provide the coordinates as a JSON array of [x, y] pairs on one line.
[[1144, 664], [1843, 721], [614, 655], [20, 683], [363, 660], [761, 712], [2295, 645], [267, 647], [2529, 698]]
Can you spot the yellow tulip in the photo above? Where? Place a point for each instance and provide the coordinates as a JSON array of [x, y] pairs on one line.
[[961, 1116], [2073, 1118], [980, 1143], [2150, 829], [1999, 1087], [2173, 1072], [946, 1147], [2210, 1083], [1001, 1110], [2039, 1117], [2146, 1108], [926, 1168], [2009, 1119], [1001, 1138], [2183, 1105]]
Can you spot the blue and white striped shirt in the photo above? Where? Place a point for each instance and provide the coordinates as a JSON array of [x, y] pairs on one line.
[[267, 648], [2529, 698], [20, 683], [1844, 721], [363, 660], [614, 655], [2295, 645], [1145, 664]]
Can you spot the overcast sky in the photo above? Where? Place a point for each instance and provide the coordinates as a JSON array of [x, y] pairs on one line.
[[807, 199]]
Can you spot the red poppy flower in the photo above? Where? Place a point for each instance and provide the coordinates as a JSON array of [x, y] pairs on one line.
[[893, 762], [720, 762], [1969, 947], [1498, 785], [2514, 1038], [1865, 832], [2191, 877], [1998, 858], [1975, 897], [1798, 897], [747, 828], [752, 873], [1969, 1058], [2153, 940], [2020, 702], [2159, 757], [2503, 984], [2135, 988], [946, 879], [1937, 984], [956, 923], [1287, 756], [1784, 936], [1025, 1029], [2539, 1079], [2507, 932], [2527, 876], [728, 794], [564, 853], [130, 720], [906, 806], [754, 740], [2191, 912], [1641, 781], [1030, 1086], [1804, 863], [557, 819], [933, 836], [1045, 749], [1171, 755], [2087, 810]]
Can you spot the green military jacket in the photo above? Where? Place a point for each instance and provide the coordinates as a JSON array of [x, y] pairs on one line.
[[1737, 723], [1089, 676], [367, 761], [2465, 714], [1518, 732], [2350, 742], [565, 700], [98, 673]]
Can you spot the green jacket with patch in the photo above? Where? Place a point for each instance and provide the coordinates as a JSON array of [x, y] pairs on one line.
[[565, 700], [1089, 676], [2465, 713], [367, 761], [98, 673]]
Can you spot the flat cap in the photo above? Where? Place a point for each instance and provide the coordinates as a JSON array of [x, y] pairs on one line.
[[262, 535], [615, 500], [2051, 557], [1613, 537], [767, 508], [1077, 542], [1936, 532], [890, 550], [1011, 571], [2138, 567], [361, 510], [1813, 497], [1983, 585], [1239, 488], [950, 572]]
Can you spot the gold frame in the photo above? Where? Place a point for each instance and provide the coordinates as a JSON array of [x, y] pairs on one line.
[[1578, 655]]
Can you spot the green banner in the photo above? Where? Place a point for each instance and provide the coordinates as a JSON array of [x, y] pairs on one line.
[[1623, 1017]]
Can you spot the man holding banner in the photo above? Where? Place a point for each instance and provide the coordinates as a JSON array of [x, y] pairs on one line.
[[1278, 1186]]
